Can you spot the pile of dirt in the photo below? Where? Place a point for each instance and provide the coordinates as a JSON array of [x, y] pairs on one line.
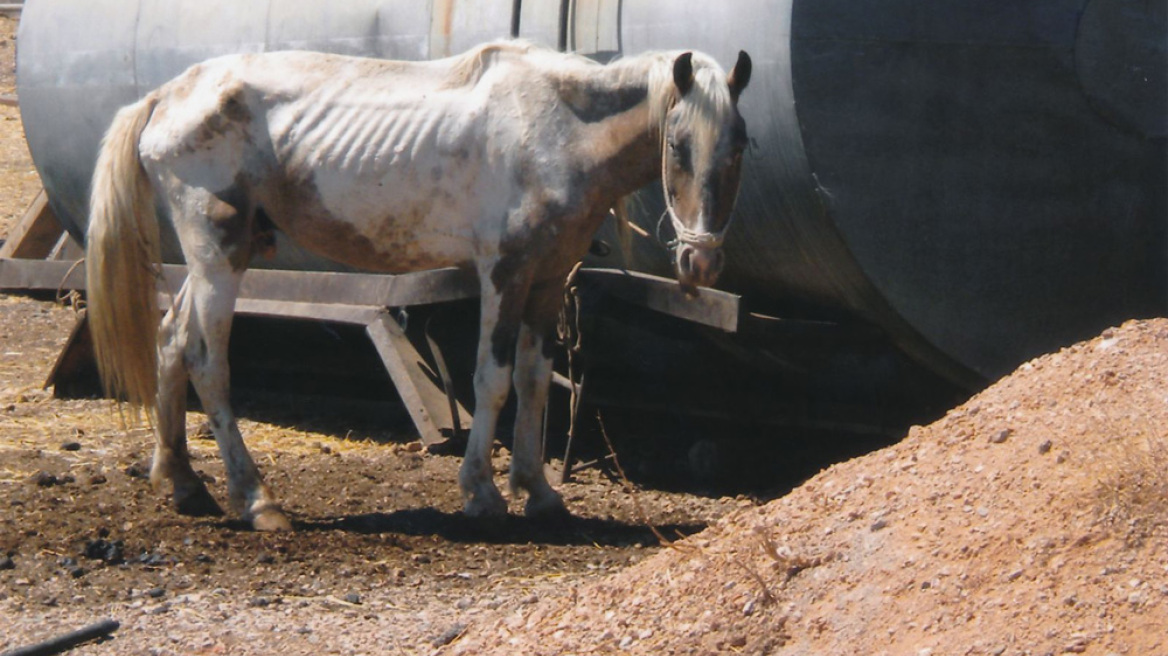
[[1030, 520]]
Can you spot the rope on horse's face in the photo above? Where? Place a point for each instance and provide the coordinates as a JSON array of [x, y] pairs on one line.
[[685, 235]]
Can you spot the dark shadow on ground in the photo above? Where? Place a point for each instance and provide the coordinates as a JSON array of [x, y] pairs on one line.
[[457, 527]]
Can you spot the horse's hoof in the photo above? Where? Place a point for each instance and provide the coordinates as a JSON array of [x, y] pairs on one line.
[[550, 509], [197, 503], [271, 519], [485, 506]]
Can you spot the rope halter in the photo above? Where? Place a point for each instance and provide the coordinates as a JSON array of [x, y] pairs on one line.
[[685, 235]]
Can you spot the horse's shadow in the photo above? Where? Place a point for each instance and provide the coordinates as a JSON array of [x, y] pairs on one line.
[[457, 527]]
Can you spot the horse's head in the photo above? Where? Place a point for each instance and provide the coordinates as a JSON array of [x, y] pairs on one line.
[[703, 138]]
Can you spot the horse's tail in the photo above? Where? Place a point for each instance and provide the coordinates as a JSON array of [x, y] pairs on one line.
[[122, 249]]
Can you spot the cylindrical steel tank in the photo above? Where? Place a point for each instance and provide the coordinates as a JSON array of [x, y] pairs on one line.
[[985, 180]]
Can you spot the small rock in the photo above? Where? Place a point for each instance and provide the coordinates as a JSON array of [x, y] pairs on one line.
[[7, 563], [71, 446], [44, 479], [413, 447], [879, 525], [104, 550], [449, 635], [76, 571], [265, 559], [97, 479], [138, 470], [464, 603], [1000, 436], [259, 602], [1045, 447], [156, 593], [353, 598], [738, 641], [204, 558]]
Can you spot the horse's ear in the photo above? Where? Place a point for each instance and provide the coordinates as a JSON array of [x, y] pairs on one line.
[[683, 75], [740, 76]]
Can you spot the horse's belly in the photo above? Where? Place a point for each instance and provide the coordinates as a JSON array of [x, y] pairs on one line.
[[362, 225]]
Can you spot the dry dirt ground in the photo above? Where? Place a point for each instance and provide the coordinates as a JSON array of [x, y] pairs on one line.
[[382, 561], [1031, 520]]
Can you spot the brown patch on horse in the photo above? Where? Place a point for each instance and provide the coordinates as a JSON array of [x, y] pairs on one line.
[[229, 211], [592, 103], [232, 114]]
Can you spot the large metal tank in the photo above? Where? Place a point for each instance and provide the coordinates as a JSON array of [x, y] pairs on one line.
[[984, 180]]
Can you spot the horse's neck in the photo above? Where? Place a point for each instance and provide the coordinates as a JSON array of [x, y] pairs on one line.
[[620, 135]]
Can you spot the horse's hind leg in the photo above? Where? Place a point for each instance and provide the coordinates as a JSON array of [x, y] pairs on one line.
[[532, 376], [171, 458], [215, 268], [213, 304]]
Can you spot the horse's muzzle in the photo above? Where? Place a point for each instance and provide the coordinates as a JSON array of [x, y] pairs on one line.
[[698, 266]]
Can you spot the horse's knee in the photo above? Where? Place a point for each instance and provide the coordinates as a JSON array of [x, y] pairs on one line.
[[492, 385]]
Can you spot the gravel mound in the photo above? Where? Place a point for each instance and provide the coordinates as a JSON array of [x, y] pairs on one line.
[[1030, 520]]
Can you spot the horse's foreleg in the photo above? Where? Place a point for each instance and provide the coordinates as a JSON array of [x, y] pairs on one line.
[[533, 372], [171, 459], [498, 329], [214, 295]]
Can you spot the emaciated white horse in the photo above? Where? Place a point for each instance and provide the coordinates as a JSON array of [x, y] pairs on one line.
[[505, 159]]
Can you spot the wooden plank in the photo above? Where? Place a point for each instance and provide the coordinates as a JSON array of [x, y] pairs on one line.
[[36, 233], [40, 275], [711, 307], [355, 314], [425, 401], [398, 290], [74, 375], [370, 289], [67, 249]]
